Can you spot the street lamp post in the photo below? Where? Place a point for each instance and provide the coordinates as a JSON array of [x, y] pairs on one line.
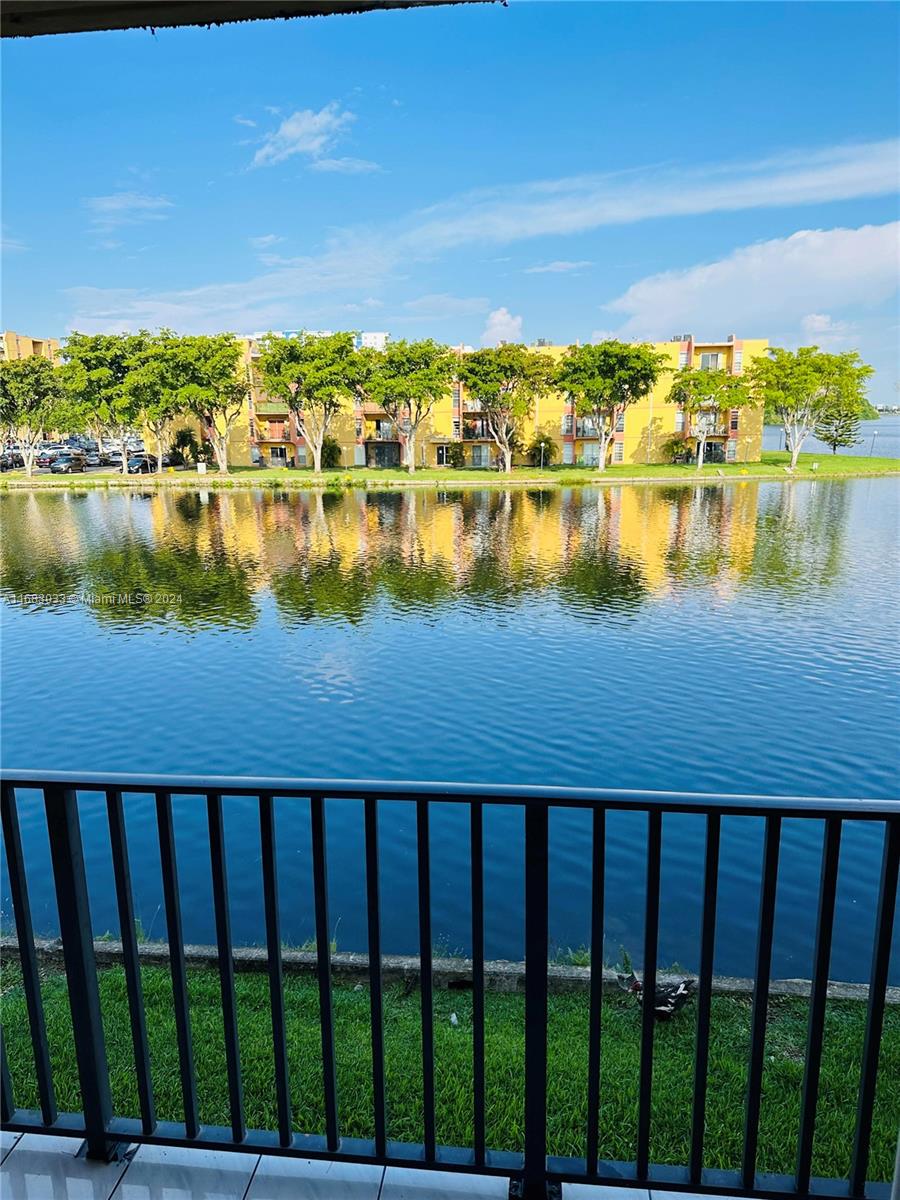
[[542, 456]]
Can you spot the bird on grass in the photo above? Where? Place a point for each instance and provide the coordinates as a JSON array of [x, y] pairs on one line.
[[668, 997]]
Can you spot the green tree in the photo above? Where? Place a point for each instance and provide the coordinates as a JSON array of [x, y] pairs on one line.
[[213, 387], [157, 379], [505, 380], [838, 427], [542, 449], [407, 381], [800, 387], [96, 370], [317, 377], [32, 399], [605, 379], [705, 398]]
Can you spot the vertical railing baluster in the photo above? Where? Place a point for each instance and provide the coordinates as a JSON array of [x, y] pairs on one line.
[[130, 957], [536, 948], [276, 973], [815, 1032], [226, 963], [476, 829], [323, 966], [31, 984], [67, 857], [425, 976], [704, 993], [376, 1005], [177, 965], [598, 871], [7, 1104], [648, 992], [760, 998], [881, 956]]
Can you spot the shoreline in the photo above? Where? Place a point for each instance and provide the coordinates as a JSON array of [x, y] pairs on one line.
[[373, 480]]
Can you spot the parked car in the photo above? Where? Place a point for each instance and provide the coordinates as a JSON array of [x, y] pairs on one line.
[[67, 464], [92, 459], [114, 458], [141, 465], [48, 456]]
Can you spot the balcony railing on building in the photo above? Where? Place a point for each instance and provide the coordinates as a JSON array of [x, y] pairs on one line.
[[104, 1129]]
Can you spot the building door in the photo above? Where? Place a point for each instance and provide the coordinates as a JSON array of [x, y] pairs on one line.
[[277, 456], [383, 454], [442, 456]]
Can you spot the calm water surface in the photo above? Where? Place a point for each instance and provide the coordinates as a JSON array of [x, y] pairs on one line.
[[734, 638], [880, 437]]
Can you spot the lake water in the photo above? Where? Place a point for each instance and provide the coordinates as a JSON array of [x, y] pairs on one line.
[[712, 638], [880, 437]]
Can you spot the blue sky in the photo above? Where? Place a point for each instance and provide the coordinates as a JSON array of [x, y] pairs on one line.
[[557, 170]]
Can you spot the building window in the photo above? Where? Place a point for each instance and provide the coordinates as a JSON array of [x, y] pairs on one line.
[[456, 428], [679, 421], [709, 362], [620, 423], [618, 452], [731, 450], [252, 428], [481, 456], [738, 361], [733, 422], [359, 429], [567, 424], [454, 392], [591, 455], [682, 358]]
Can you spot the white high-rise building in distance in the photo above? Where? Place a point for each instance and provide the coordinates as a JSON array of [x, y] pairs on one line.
[[372, 341], [366, 339]]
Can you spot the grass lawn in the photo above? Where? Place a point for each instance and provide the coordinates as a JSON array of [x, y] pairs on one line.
[[772, 465], [567, 1095]]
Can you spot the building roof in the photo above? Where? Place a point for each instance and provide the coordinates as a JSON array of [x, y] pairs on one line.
[[31, 18]]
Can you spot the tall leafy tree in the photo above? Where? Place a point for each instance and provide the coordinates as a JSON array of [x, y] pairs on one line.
[[214, 388], [605, 379], [407, 381], [32, 400], [800, 387], [97, 366], [317, 377], [506, 381], [705, 397], [158, 379]]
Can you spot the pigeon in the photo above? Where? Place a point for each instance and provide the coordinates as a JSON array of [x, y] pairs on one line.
[[668, 998]]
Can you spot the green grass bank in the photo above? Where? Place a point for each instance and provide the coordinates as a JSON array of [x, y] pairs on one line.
[[773, 465], [567, 1044]]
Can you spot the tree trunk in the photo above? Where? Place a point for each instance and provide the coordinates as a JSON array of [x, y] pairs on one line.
[[220, 449], [507, 459], [124, 454], [604, 446], [701, 451], [316, 448], [411, 452], [159, 453]]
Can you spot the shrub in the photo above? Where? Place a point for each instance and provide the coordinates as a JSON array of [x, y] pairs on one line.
[[456, 455], [533, 450], [331, 454]]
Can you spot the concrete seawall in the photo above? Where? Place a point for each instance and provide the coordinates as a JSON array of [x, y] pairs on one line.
[[450, 973]]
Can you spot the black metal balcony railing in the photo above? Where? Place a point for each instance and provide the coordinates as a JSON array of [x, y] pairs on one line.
[[532, 1173]]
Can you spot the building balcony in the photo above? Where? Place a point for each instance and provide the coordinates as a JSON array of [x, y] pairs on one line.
[[271, 408]]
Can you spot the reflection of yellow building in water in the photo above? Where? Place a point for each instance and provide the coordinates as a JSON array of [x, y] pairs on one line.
[[367, 436]]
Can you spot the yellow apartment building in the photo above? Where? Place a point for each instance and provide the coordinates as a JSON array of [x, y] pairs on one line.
[[17, 345], [368, 437]]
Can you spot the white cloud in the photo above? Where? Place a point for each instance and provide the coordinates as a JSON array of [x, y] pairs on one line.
[[244, 121], [501, 326], [558, 267], [760, 289], [265, 240], [574, 205], [12, 245], [126, 208], [344, 166], [305, 132], [826, 332]]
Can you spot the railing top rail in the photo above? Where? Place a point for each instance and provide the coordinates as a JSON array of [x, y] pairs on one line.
[[355, 789]]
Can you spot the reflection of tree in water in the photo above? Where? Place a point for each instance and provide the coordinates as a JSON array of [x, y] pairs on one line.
[[800, 537], [699, 550]]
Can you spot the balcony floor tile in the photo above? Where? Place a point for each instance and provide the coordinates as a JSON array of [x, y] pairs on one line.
[[181, 1173], [47, 1168], [313, 1179], [406, 1183]]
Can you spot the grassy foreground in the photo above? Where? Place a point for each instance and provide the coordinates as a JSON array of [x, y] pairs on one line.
[[567, 1040], [772, 465]]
